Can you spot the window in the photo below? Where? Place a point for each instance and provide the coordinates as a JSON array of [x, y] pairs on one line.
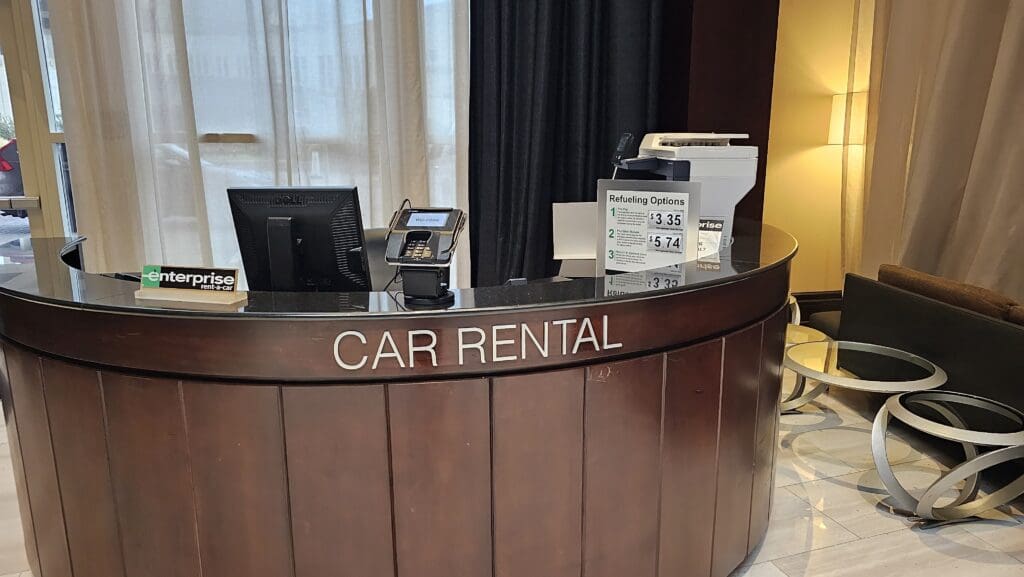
[[11, 181], [50, 86], [55, 115], [244, 93]]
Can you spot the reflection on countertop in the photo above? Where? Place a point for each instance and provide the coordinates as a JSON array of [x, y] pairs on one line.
[[33, 269]]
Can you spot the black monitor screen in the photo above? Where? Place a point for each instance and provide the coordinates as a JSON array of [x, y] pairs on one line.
[[300, 239]]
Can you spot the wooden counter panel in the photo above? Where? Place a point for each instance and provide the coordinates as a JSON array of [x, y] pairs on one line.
[[17, 463], [236, 450], [622, 436], [767, 426], [339, 479], [75, 402], [538, 474], [736, 451], [152, 478], [43, 487], [441, 462], [654, 466], [689, 458]]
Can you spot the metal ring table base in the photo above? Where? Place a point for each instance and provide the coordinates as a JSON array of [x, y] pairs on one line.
[[824, 380], [800, 396], [966, 504]]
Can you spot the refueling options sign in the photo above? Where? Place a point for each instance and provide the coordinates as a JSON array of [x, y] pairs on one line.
[[647, 224]]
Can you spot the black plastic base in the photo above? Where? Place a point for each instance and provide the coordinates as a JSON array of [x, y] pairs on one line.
[[426, 287], [444, 301]]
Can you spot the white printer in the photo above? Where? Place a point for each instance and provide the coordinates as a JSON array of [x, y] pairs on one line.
[[726, 173]]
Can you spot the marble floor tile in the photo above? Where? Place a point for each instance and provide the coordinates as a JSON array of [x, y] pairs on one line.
[[818, 415], [852, 500], [787, 505], [850, 444], [791, 467], [1005, 534], [795, 528], [12, 543], [855, 402], [759, 570], [946, 552]]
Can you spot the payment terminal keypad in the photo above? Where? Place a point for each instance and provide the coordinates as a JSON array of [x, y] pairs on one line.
[[423, 237], [417, 250]]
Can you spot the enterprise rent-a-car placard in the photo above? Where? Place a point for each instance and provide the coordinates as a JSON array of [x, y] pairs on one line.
[[647, 224], [191, 278]]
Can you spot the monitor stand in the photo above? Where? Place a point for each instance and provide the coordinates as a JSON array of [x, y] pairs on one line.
[[281, 245]]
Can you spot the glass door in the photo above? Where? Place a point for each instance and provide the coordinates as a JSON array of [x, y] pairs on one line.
[[14, 224], [34, 195]]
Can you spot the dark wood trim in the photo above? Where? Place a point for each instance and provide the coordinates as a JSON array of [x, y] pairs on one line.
[[298, 349], [674, 78], [732, 71]]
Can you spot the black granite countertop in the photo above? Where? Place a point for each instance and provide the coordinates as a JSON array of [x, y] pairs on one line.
[[34, 270]]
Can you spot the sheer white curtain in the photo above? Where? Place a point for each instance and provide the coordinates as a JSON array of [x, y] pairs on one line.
[[945, 177], [169, 102]]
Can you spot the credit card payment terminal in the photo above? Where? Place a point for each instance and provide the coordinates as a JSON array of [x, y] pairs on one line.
[[421, 243]]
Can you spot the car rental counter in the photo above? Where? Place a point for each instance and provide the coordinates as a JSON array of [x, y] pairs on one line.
[[608, 425]]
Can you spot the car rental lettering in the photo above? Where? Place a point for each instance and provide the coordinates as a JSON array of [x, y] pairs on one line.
[[498, 344]]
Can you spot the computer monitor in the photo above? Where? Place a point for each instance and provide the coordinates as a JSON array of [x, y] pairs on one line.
[[300, 239]]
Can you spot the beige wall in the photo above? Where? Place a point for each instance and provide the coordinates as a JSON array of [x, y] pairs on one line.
[[804, 183]]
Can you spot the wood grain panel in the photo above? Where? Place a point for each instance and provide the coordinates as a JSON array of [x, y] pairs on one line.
[[740, 376], [205, 346], [338, 446], [621, 469], [693, 388], [37, 459], [150, 469], [767, 426], [731, 89], [538, 474], [75, 404], [440, 451], [20, 482], [236, 445]]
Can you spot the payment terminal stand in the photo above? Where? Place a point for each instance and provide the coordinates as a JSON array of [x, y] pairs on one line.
[[421, 242]]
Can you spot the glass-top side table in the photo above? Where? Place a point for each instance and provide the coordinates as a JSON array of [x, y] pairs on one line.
[[797, 334], [858, 366]]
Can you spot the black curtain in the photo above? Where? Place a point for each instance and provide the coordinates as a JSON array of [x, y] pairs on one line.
[[553, 85]]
